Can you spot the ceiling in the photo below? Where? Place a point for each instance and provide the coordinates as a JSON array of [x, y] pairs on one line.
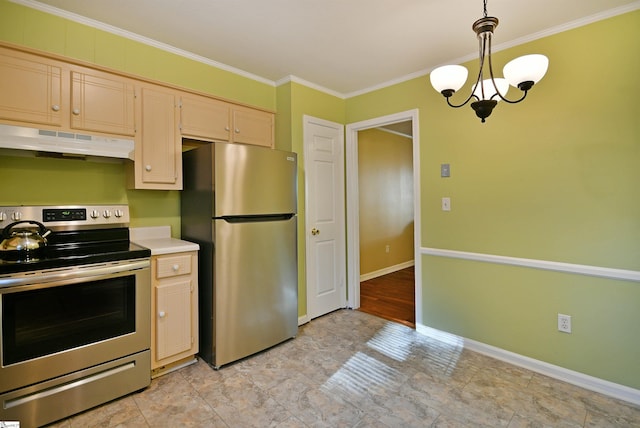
[[342, 46]]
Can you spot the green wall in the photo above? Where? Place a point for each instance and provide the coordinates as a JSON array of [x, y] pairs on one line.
[[293, 102], [554, 178]]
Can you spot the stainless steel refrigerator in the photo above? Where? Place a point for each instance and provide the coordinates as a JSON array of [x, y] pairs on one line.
[[239, 204]]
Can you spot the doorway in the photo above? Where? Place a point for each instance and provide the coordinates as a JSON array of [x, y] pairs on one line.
[[353, 200]]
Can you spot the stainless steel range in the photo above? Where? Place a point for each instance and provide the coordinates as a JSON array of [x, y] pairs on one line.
[[74, 311]]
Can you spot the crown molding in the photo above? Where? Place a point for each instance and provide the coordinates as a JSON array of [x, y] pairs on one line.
[[301, 81], [290, 78], [138, 38]]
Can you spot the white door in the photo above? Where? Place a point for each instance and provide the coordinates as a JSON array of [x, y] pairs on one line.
[[324, 216]]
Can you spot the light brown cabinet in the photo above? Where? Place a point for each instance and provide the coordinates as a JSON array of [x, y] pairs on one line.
[[174, 309], [50, 92], [158, 151], [250, 126], [42, 92], [31, 89], [214, 120], [204, 118], [102, 102]]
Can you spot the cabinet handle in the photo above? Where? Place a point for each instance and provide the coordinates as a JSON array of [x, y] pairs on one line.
[[76, 111], [175, 268], [237, 131], [226, 128], [55, 107], [147, 168], [161, 314]]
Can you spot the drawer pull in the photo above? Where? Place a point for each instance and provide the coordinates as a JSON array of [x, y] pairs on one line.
[[176, 267], [161, 314]]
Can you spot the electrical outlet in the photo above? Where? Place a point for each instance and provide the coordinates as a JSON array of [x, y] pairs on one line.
[[564, 323], [446, 204], [387, 248]]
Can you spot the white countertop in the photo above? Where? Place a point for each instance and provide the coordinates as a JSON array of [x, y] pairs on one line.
[[158, 239]]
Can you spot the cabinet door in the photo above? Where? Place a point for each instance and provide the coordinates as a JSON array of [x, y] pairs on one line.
[[173, 318], [103, 103], [205, 118], [30, 89], [252, 126], [158, 159]]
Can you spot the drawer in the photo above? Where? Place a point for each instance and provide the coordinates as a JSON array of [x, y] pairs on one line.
[[173, 266]]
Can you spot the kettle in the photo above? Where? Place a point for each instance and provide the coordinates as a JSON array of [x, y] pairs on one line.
[[23, 243]]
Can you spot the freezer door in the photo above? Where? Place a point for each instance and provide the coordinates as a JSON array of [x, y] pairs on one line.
[[255, 287], [251, 180]]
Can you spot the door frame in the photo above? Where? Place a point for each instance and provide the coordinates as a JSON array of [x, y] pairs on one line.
[[353, 212]]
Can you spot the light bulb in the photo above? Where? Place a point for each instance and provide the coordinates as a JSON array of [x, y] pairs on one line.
[[527, 68], [448, 77], [490, 90]]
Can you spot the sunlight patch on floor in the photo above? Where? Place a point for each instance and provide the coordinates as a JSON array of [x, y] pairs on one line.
[[363, 374], [393, 341]]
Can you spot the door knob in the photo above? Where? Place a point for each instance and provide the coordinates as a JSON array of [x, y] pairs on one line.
[[315, 231]]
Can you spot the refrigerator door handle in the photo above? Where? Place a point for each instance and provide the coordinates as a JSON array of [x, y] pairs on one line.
[[255, 218]]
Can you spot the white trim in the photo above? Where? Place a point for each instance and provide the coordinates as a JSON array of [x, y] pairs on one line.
[[120, 32], [386, 271], [353, 212], [138, 38], [303, 320], [598, 271], [301, 81], [390, 131], [582, 380]]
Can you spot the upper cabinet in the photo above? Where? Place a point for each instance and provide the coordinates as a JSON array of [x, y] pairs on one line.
[[252, 126], [204, 118], [158, 152], [41, 92], [214, 120], [31, 89], [102, 102], [50, 92]]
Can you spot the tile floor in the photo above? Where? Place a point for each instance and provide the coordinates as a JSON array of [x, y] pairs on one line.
[[351, 369]]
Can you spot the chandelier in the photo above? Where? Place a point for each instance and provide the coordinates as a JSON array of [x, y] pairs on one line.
[[522, 73]]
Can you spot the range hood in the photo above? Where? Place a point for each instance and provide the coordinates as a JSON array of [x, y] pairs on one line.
[[66, 143]]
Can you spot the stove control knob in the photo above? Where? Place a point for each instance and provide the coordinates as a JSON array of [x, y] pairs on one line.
[[94, 214], [16, 216], [3, 216], [106, 213], [118, 213]]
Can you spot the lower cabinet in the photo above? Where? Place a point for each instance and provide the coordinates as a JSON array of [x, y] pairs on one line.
[[174, 309]]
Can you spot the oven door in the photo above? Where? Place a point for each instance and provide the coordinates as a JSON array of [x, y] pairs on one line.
[[56, 322]]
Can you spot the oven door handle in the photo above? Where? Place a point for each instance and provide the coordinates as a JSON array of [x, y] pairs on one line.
[[75, 272]]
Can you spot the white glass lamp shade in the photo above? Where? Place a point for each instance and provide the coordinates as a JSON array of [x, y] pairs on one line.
[[490, 90], [448, 77], [527, 68]]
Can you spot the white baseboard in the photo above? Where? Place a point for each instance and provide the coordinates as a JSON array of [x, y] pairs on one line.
[[591, 383], [303, 320], [387, 270]]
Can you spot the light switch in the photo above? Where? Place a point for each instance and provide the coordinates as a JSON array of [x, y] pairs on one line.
[[446, 204], [445, 170]]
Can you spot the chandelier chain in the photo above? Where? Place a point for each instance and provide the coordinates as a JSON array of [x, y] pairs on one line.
[[485, 8]]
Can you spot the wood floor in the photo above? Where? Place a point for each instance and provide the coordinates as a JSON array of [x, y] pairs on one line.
[[390, 296]]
